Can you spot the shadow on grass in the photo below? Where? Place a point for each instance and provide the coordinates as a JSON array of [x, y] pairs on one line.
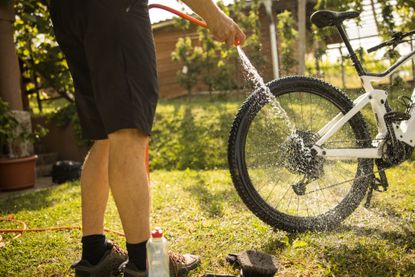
[[399, 231], [276, 245], [192, 155], [375, 251], [31, 201], [213, 203], [405, 239], [364, 259]]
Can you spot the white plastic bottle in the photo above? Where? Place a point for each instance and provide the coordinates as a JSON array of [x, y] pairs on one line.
[[157, 254]]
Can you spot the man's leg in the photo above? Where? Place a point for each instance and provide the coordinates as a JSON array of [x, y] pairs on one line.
[[94, 190], [130, 188]]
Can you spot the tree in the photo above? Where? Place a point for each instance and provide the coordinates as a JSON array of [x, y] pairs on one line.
[[301, 14], [191, 58], [44, 63], [288, 36], [406, 12]]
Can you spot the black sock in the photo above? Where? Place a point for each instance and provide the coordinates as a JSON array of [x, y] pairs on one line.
[[93, 248], [137, 254]]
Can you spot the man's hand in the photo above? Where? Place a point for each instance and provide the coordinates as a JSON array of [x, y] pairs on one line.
[[223, 28]]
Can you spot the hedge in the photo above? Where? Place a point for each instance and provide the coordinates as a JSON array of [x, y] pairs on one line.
[[191, 134]]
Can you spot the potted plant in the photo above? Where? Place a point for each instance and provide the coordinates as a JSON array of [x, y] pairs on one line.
[[17, 161]]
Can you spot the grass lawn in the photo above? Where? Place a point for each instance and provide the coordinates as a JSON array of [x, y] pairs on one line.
[[201, 213]]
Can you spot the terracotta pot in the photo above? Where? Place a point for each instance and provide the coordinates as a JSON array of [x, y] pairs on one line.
[[17, 173]]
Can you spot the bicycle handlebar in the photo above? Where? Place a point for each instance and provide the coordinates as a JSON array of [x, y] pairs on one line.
[[377, 47], [397, 38]]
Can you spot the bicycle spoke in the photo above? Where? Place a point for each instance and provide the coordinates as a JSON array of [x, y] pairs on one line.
[[283, 196], [301, 111], [289, 202], [322, 192], [311, 114], [341, 183], [318, 202], [264, 153]]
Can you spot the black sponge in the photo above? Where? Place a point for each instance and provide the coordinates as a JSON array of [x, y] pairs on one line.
[[255, 264]]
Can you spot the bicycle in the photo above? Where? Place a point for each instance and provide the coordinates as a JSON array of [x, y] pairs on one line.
[[313, 177]]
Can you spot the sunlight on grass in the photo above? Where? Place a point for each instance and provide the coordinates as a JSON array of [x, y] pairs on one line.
[[202, 214]]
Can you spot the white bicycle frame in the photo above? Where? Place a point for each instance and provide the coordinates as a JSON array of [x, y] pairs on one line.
[[404, 131]]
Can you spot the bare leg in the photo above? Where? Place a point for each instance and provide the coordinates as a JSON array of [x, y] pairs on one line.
[[129, 183], [95, 188]]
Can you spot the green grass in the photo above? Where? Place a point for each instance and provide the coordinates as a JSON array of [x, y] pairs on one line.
[[201, 213]]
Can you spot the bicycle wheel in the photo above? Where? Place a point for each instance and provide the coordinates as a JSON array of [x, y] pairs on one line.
[[273, 168]]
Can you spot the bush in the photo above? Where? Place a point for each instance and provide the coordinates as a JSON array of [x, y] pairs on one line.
[[8, 125]]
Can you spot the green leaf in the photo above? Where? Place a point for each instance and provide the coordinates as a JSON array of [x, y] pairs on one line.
[[299, 244]]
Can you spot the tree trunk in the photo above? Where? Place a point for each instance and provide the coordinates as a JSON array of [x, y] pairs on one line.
[[10, 90], [10, 83], [375, 16], [301, 35], [343, 72], [413, 63], [316, 47]]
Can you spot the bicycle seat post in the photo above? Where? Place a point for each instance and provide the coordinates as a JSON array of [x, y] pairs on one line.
[[353, 56]]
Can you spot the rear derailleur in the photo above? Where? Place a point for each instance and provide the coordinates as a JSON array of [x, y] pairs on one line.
[[300, 187]]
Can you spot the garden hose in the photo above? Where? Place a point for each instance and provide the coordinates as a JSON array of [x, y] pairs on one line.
[[185, 16], [181, 14], [25, 229]]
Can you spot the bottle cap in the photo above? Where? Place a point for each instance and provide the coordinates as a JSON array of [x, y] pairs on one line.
[[157, 233]]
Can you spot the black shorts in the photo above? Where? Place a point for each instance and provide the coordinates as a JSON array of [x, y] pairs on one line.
[[110, 52]]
